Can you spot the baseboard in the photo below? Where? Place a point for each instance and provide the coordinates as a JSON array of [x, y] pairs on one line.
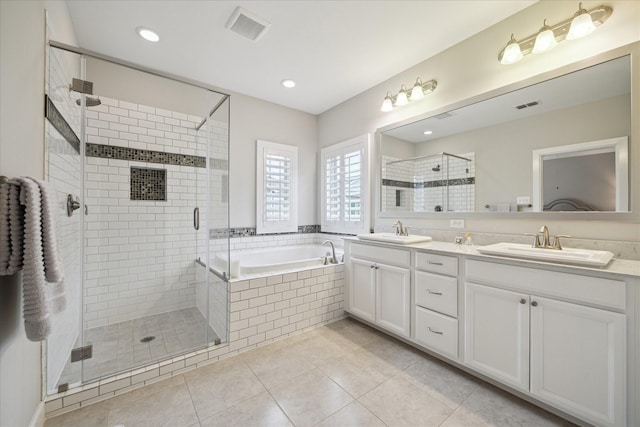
[[37, 420]]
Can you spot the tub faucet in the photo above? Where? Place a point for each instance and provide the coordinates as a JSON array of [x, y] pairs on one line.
[[333, 260]]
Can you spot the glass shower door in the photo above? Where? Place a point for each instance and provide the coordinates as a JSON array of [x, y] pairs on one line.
[[64, 170]]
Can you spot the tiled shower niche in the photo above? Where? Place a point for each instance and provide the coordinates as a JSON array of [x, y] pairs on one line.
[[148, 184]]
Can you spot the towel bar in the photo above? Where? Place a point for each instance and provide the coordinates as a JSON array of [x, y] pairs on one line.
[[4, 179]]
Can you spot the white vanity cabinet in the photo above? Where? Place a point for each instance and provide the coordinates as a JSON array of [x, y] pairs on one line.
[[436, 302], [380, 287], [535, 331]]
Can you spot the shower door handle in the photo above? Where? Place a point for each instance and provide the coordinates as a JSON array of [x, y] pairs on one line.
[[196, 218]]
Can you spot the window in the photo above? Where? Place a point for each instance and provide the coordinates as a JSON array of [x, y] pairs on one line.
[[345, 186], [276, 188]]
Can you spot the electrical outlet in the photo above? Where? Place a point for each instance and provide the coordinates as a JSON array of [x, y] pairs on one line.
[[456, 223], [523, 200]]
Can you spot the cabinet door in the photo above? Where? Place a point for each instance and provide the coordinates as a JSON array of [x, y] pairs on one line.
[[578, 360], [362, 289], [497, 334], [393, 296]]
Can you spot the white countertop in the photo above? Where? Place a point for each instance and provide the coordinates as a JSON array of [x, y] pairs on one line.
[[625, 267]]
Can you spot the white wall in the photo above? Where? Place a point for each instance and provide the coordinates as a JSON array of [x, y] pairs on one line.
[[470, 69], [253, 119], [22, 62]]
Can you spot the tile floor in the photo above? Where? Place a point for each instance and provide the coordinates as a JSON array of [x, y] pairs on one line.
[[343, 374], [118, 347]]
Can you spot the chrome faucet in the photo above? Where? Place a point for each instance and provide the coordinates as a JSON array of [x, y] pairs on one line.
[[400, 231], [333, 259]]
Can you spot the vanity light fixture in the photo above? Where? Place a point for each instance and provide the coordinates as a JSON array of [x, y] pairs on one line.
[[428, 132], [581, 24], [545, 40], [404, 96], [288, 83], [148, 34], [584, 22]]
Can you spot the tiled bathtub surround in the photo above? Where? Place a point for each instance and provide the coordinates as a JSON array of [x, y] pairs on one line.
[[262, 311]]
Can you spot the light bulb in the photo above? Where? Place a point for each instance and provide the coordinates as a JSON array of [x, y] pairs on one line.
[[387, 105], [545, 40], [402, 99], [417, 92], [512, 52], [581, 25]]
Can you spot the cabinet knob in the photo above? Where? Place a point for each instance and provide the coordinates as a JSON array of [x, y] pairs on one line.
[[434, 331], [534, 303], [523, 301], [434, 263], [372, 266], [429, 291]]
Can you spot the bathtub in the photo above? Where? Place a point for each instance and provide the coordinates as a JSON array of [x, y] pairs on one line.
[[274, 259]]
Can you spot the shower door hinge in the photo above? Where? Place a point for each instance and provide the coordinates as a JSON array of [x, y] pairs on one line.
[[82, 353], [82, 86]]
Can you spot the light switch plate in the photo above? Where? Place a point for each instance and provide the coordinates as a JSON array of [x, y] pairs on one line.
[[456, 223], [523, 200]]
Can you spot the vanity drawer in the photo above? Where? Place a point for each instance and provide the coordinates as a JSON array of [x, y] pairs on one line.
[[593, 291], [437, 332], [397, 257], [438, 293], [441, 264]]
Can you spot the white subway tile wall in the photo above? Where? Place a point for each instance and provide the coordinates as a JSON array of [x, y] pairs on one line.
[[453, 198], [139, 257], [63, 171]]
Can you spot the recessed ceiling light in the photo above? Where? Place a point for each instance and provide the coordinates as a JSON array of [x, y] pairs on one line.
[[428, 132], [288, 83], [147, 34]]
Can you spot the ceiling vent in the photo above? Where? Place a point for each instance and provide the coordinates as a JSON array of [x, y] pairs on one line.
[[247, 24], [527, 105]]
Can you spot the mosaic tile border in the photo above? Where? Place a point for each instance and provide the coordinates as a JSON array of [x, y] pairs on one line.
[[58, 121], [221, 233], [429, 184], [140, 155]]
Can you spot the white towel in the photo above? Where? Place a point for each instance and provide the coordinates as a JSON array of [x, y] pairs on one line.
[[36, 311], [11, 230], [29, 241], [53, 269]]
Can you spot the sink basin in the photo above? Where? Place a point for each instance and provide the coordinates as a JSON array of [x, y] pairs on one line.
[[586, 257], [392, 238]]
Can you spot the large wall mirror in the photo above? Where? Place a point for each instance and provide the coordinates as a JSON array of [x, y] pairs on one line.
[[561, 145]]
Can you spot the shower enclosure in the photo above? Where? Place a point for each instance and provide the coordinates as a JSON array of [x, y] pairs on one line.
[[140, 163], [441, 182]]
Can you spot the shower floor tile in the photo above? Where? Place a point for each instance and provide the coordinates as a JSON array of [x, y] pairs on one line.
[[118, 347]]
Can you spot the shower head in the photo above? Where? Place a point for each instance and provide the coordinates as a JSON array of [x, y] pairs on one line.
[[436, 169], [90, 102]]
